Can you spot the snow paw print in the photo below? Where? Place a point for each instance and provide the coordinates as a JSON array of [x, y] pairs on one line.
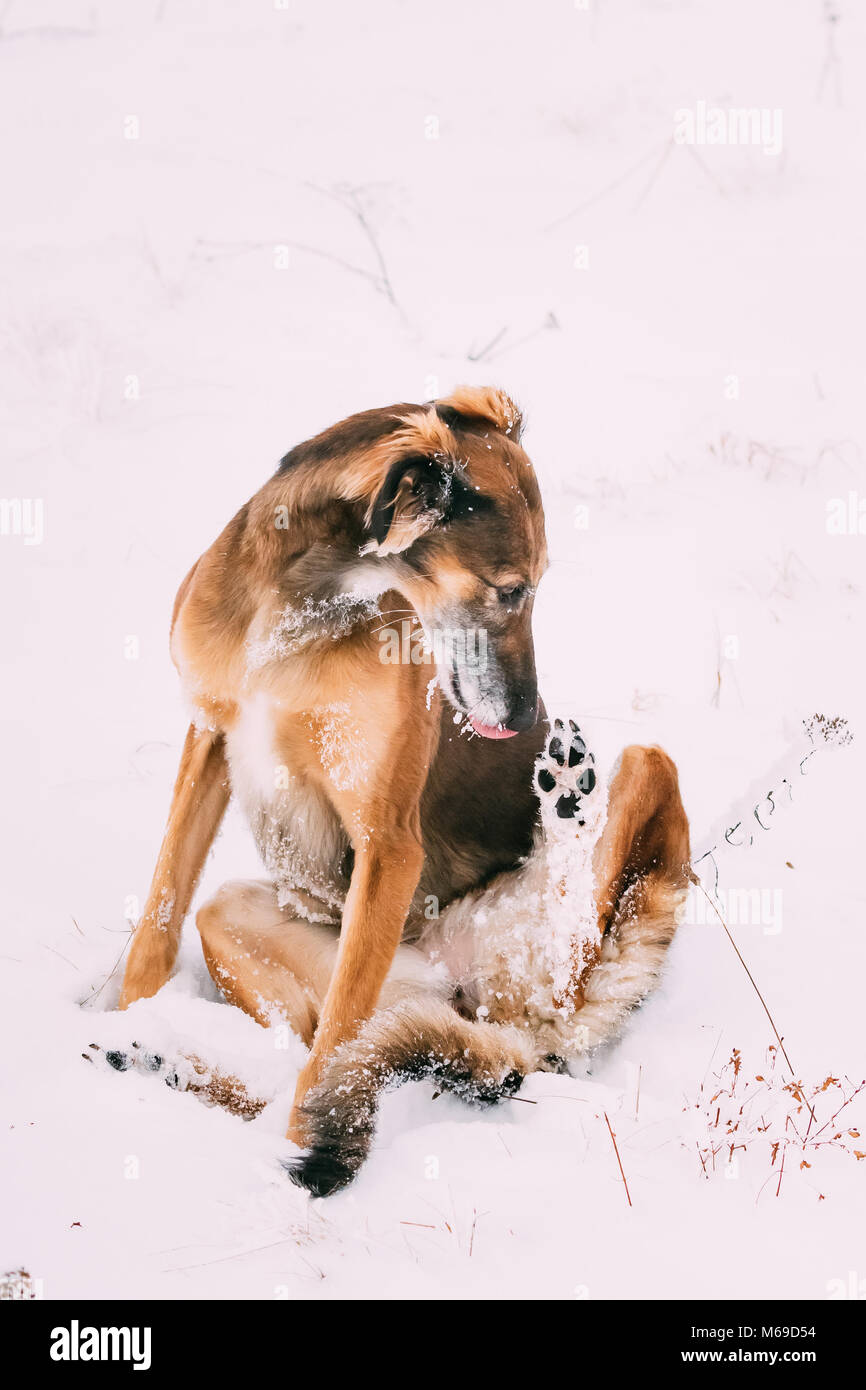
[[565, 774]]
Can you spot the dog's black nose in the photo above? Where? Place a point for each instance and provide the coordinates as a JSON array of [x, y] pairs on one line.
[[524, 711]]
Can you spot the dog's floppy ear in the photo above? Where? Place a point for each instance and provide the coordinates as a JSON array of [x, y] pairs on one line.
[[412, 499]]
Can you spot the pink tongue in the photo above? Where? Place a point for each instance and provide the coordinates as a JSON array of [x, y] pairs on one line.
[[492, 730]]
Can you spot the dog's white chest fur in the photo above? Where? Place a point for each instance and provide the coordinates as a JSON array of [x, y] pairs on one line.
[[251, 746], [298, 833]]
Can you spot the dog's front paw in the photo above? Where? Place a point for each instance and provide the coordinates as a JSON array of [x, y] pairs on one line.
[[565, 773]]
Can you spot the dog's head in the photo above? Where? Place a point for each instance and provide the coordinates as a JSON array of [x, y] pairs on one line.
[[455, 516]]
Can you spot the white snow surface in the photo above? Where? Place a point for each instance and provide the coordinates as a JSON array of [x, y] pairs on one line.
[[282, 244]]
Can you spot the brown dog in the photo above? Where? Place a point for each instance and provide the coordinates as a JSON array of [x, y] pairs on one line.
[[366, 799]]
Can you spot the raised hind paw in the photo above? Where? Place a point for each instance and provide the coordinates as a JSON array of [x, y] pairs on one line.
[[565, 774]]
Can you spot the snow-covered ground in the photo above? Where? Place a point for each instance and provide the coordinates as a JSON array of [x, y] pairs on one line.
[[225, 226]]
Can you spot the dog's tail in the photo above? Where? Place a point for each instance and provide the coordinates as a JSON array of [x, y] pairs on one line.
[[417, 1039]]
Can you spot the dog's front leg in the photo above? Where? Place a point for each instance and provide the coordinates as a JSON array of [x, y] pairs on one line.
[[201, 794], [386, 873]]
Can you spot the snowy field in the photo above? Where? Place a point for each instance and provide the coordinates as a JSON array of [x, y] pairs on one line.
[[227, 225]]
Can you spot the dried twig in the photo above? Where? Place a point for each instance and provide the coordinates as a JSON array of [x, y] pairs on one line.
[[609, 188], [212, 249], [550, 322], [781, 1173], [702, 164], [477, 356], [45, 947], [472, 1231], [655, 174], [94, 993], [779, 1129], [618, 1159], [697, 882], [349, 198]]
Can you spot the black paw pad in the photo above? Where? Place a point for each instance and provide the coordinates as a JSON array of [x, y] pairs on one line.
[[556, 751], [577, 751], [553, 1062], [586, 780], [566, 806], [121, 1061], [486, 1091], [546, 780]]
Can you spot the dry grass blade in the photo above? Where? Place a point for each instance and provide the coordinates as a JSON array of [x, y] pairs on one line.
[[696, 881], [618, 1159]]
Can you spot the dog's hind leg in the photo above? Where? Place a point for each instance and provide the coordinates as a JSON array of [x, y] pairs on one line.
[[646, 835], [640, 871], [276, 968], [269, 964], [263, 959]]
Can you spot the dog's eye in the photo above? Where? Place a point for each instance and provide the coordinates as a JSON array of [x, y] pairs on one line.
[[512, 595]]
